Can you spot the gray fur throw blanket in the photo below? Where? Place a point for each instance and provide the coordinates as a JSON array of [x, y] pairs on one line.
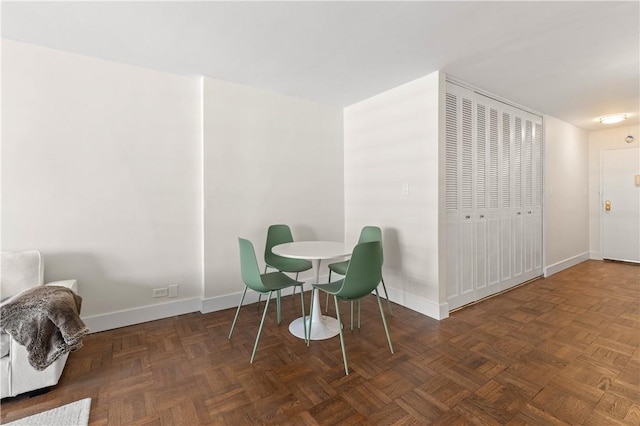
[[45, 320]]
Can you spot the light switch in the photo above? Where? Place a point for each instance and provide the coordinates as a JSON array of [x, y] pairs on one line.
[[405, 189]]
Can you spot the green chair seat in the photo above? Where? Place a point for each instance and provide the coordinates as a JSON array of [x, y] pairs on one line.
[[277, 281], [330, 288], [339, 267]]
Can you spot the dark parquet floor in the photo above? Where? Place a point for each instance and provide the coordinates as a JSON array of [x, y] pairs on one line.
[[561, 350]]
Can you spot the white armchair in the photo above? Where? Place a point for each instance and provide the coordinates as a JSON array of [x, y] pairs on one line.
[[20, 271]]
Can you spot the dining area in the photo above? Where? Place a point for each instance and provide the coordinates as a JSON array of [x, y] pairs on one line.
[[358, 269]]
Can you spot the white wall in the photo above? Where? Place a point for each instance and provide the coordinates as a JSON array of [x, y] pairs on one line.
[[101, 172], [599, 141], [268, 159], [104, 167], [566, 217], [391, 140]]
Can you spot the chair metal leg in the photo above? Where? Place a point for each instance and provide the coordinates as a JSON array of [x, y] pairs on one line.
[[233, 324], [304, 319], [294, 287], [359, 305], [264, 314], [344, 353], [386, 295], [352, 315], [260, 295], [384, 321], [326, 305], [278, 309], [313, 293]]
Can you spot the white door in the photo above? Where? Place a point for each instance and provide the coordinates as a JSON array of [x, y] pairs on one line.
[[493, 195], [621, 204]]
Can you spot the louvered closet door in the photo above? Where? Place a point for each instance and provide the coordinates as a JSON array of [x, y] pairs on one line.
[[527, 198], [486, 214], [507, 222], [493, 156], [459, 155]]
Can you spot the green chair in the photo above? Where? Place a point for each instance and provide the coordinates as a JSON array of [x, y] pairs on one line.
[[280, 234], [263, 284], [362, 277], [367, 234]]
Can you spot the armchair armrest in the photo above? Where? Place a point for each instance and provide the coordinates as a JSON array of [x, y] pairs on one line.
[[72, 284]]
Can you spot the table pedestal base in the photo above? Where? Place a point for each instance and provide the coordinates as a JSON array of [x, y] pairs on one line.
[[326, 328]]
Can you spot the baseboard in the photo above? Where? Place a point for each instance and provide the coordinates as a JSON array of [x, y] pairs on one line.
[[595, 255], [127, 317], [565, 264], [219, 303], [418, 304], [111, 320]]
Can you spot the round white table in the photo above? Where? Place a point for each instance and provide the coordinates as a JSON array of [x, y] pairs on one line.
[[324, 326]]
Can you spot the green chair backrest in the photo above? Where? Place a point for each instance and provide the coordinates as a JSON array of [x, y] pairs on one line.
[[276, 234], [249, 266], [364, 272], [371, 233]]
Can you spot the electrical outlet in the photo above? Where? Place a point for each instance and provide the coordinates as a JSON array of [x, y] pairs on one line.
[[173, 290], [160, 292]]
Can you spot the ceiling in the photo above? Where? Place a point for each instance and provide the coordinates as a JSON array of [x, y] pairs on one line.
[[573, 60]]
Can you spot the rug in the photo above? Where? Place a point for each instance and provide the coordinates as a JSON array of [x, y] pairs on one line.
[[74, 414]]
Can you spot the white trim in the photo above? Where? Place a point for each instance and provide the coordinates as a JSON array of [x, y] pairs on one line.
[[565, 264], [124, 318], [127, 317], [220, 303], [202, 191], [601, 202], [543, 201], [464, 84], [117, 319], [418, 304], [1, 221], [595, 255]]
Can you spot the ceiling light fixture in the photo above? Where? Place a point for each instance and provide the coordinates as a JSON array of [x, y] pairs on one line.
[[610, 119]]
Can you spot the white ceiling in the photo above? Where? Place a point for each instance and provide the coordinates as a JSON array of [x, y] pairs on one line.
[[574, 60]]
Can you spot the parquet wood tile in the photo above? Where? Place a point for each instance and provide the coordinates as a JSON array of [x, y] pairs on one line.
[[420, 408], [560, 350]]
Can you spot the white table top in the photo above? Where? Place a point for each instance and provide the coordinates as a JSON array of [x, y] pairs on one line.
[[313, 250]]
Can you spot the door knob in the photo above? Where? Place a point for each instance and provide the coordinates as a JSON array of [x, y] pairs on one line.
[[607, 205]]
